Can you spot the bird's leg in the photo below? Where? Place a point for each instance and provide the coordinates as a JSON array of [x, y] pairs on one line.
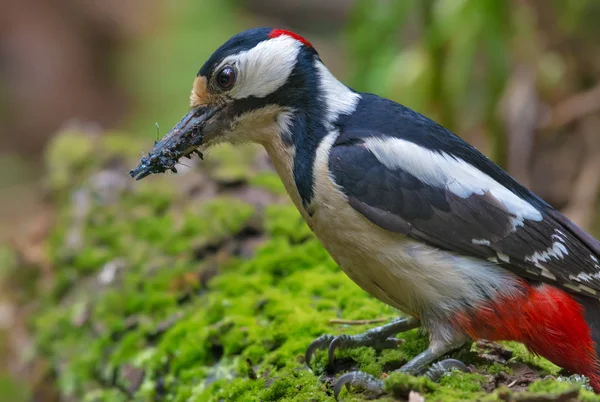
[[379, 338], [416, 366]]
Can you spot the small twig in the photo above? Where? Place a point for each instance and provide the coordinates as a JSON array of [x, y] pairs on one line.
[[357, 322]]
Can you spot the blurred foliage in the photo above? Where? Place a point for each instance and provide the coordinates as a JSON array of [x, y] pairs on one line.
[[454, 71], [160, 68], [241, 334], [451, 59], [152, 298], [448, 59]]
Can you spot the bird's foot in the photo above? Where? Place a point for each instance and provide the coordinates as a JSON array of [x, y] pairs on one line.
[[358, 379], [376, 387], [418, 365], [437, 370], [379, 338]]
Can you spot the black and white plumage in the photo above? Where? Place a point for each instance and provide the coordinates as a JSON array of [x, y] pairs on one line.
[[412, 213], [409, 175]]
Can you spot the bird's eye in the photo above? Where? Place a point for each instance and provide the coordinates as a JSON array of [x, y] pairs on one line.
[[225, 77]]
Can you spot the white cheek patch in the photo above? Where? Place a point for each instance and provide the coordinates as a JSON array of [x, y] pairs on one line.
[[265, 68], [442, 170]]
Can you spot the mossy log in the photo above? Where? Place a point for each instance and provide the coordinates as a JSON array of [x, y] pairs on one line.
[[207, 286]]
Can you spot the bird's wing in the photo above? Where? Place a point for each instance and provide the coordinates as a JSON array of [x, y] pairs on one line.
[[445, 201]]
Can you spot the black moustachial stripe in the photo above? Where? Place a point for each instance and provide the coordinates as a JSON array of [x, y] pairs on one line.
[[299, 94]]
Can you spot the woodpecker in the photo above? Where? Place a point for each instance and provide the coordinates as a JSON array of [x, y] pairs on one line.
[[413, 214]]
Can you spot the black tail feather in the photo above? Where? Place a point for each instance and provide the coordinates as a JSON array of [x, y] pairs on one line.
[[592, 316]]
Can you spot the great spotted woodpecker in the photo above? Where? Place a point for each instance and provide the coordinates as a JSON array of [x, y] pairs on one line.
[[414, 215]]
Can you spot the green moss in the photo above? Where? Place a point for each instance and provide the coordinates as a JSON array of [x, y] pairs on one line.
[[229, 164], [497, 368], [68, 153], [549, 386], [8, 262], [269, 181], [123, 144], [459, 386], [521, 354], [13, 390], [588, 396], [155, 196], [285, 221], [400, 384], [158, 284], [105, 395]]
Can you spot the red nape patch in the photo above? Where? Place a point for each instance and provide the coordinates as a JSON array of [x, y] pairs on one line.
[[280, 32], [544, 318]]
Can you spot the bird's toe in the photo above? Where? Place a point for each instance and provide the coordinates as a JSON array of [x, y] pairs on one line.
[[322, 342], [437, 370], [358, 379]]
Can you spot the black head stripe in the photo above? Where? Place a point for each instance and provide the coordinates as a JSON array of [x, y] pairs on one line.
[[245, 40]]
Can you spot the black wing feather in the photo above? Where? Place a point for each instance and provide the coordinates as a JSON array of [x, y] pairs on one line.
[[399, 202]]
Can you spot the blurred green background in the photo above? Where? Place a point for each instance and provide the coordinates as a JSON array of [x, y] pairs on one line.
[[515, 78], [519, 79]]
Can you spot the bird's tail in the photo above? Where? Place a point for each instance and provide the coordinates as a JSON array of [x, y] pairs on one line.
[[552, 323], [591, 308]]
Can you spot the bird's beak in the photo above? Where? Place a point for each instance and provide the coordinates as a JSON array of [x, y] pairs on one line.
[[183, 140]]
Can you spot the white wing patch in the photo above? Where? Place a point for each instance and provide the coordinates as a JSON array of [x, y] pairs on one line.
[[265, 68], [580, 288], [442, 170], [338, 98], [503, 257], [557, 251], [584, 276], [587, 289], [323, 182], [547, 274]]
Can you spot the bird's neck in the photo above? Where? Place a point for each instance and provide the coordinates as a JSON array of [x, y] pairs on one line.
[[332, 100], [282, 157], [294, 152]]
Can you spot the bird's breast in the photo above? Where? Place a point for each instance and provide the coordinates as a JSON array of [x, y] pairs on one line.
[[411, 276]]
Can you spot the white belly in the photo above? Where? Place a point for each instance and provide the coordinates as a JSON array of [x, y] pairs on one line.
[[415, 278]]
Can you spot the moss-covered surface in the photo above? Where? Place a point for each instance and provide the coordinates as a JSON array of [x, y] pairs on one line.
[[188, 288]]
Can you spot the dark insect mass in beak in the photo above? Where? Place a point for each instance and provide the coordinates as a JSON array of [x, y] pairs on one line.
[[182, 140]]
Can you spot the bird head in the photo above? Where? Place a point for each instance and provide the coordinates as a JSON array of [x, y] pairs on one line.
[[245, 92]]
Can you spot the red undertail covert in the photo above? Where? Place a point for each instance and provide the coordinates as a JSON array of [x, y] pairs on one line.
[[544, 318]]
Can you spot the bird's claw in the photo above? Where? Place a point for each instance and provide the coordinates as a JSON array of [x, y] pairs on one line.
[[437, 370], [376, 387], [332, 343], [321, 342], [358, 379]]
